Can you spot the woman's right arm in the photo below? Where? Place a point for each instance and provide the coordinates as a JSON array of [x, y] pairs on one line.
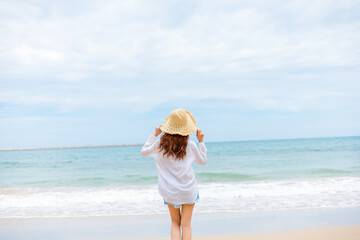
[[201, 153]]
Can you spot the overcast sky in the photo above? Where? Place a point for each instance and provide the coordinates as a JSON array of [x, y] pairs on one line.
[[108, 72]]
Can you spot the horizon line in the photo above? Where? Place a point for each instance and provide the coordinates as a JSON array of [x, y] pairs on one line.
[[139, 144], [66, 147]]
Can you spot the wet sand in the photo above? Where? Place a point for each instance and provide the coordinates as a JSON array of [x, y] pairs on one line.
[[323, 233]]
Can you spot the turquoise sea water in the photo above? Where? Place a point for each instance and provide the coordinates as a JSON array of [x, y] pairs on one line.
[[326, 169], [227, 162]]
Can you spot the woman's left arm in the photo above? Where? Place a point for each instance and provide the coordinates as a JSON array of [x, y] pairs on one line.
[[150, 144]]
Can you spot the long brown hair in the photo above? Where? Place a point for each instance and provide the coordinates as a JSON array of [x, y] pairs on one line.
[[173, 145]]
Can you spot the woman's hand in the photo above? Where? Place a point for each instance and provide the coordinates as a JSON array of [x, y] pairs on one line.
[[199, 135], [157, 131]]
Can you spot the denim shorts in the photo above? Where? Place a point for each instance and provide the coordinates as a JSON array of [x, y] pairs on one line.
[[179, 205]]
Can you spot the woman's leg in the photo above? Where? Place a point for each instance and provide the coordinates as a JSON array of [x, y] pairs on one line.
[[175, 222], [186, 214]]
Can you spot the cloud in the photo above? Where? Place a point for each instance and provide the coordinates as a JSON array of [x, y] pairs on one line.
[[22, 122], [138, 55]]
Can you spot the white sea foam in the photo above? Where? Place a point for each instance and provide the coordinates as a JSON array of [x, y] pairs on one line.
[[214, 197]]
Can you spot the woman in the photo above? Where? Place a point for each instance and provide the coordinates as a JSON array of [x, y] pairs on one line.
[[174, 154]]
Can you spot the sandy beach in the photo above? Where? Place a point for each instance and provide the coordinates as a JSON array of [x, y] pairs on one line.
[[311, 224], [323, 233]]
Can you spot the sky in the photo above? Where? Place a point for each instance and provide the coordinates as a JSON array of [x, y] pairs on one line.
[[109, 72]]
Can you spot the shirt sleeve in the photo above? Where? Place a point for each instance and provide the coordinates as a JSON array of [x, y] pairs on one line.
[[149, 147], [200, 153]]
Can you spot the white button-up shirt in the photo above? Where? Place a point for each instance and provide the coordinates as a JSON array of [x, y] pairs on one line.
[[176, 178]]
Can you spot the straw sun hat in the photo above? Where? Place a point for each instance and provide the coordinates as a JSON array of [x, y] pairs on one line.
[[179, 122]]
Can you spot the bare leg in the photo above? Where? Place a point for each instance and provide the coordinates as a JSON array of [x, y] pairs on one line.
[[186, 214], [175, 222]]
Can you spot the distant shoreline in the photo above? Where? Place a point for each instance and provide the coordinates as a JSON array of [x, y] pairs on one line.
[[66, 147], [139, 144]]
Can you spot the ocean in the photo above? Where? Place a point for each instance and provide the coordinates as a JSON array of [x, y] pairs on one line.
[[243, 176]]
